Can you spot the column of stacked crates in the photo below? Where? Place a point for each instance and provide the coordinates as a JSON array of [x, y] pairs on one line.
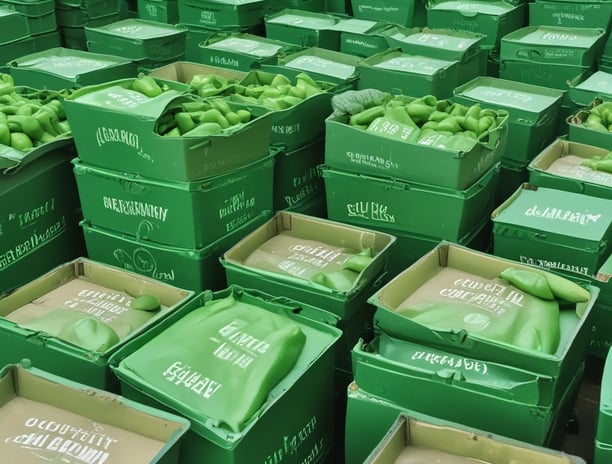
[[414, 360], [166, 207]]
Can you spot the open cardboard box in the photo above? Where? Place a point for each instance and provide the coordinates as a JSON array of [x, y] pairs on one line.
[[183, 71], [558, 166], [574, 329], [421, 438], [96, 290], [47, 418]]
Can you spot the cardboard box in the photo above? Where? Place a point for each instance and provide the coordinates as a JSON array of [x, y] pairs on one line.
[[46, 417], [410, 434], [558, 166], [183, 71], [96, 290], [114, 128]]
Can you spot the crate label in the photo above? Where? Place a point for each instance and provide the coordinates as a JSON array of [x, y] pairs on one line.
[[208, 17], [441, 41], [288, 129], [561, 17], [371, 160], [322, 66], [388, 127], [237, 210], [563, 215], [556, 265], [304, 186], [135, 208], [142, 261], [416, 65], [390, 10], [291, 445], [182, 374], [371, 211], [247, 46], [68, 66], [450, 361]]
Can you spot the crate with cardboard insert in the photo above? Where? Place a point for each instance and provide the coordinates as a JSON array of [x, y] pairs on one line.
[[235, 393], [507, 319], [73, 317], [563, 231], [148, 43], [361, 37], [418, 437], [46, 417], [446, 44], [582, 14], [601, 340], [163, 11], [127, 136], [405, 74], [62, 68], [374, 133], [40, 15], [222, 14], [192, 269], [492, 19], [591, 125], [572, 166], [533, 112], [241, 51], [304, 28]]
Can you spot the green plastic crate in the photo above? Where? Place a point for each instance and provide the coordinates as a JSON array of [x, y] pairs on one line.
[[362, 37], [107, 286], [562, 365], [343, 304], [304, 28], [63, 68], [528, 401], [552, 75], [40, 15], [222, 14], [297, 178], [14, 25], [184, 71], [389, 11], [163, 11], [93, 15], [563, 231], [137, 39], [315, 206], [32, 44], [549, 44], [307, 390], [493, 19], [585, 14], [558, 167], [353, 149], [403, 74], [175, 213], [109, 427], [599, 84], [370, 201], [601, 340], [242, 51], [305, 5], [603, 431], [445, 44], [533, 112], [514, 175], [192, 269], [577, 132], [127, 141]]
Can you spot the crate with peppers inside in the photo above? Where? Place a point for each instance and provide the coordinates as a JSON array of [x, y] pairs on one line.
[[592, 125], [164, 132], [30, 119], [425, 140]]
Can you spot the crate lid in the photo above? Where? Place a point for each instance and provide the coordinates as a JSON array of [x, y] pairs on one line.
[[323, 63], [136, 28], [472, 8], [359, 26], [249, 45], [557, 212], [303, 19], [416, 64], [521, 99], [597, 84], [13, 25]]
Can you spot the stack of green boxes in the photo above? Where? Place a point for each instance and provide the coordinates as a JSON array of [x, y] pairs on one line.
[[166, 207], [304, 28], [422, 192], [362, 37], [163, 11], [74, 15], [534, 113], [398, 12], [605, 62], [415, 358]]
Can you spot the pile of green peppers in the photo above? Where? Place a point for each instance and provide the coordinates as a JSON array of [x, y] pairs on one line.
[[600, 117], [599, 164]]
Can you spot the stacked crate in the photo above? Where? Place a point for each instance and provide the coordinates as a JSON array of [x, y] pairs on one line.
[[165, 207]]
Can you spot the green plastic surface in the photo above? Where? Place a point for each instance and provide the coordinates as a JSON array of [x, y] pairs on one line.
[[304, 28], [389, 11], [222, 14]]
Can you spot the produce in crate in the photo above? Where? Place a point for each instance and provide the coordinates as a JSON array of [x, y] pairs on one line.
[[599, 164], [600, 116]]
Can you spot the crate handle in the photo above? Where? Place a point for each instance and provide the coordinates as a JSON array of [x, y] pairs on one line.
[[529, 54], [448, 375]]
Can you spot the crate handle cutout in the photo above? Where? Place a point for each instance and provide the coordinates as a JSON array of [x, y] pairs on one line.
[[448, 375], [131, 187], [529, 53]]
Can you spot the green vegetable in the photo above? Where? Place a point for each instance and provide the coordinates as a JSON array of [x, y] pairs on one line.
[[359, 261], [354, 101], [147, 86], [146, 302], [7, 84], [367, 116], [20, 141], [204, 129], [604, 165], [565, 289], [528, 281], [5, 134]]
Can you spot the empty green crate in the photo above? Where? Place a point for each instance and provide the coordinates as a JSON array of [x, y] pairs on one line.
[[93, 15], [374, 202], [297, 178], [586, 14], [222, 14], [192, 269], [563, 231], [549, 44], [492, 19], [603, 432], [93, 289], [304, 28], [599, 84], [307, 390], [353, 149], [404, 74], [445, 44], [40, 15], [533, 112], [32, 44], [163, 11], [127, 142], [241, 51], [63, 68], [186, 215], [361, 37], [137, 39], [552, 75], [389, 11], [559, 167], [601, 339], [14, 25]]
